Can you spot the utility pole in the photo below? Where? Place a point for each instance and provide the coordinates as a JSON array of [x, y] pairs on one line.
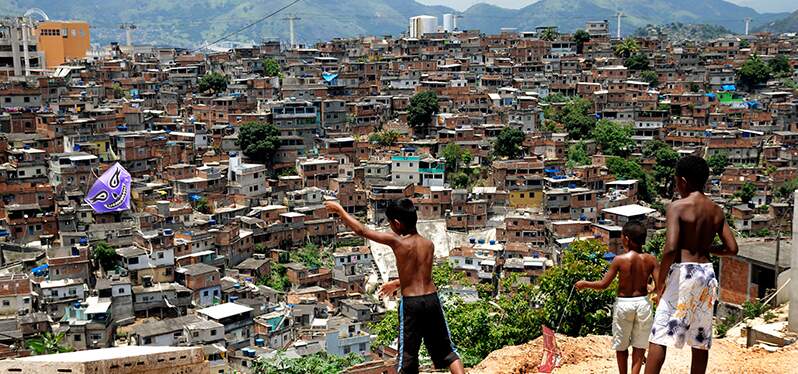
[[128, 27], [291, 20], [747, 23]]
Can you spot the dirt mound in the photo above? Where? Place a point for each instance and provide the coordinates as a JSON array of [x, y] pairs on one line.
[[592, 354]]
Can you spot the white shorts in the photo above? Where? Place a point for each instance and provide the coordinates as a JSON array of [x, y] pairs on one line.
[[631, 322], [684, 313]]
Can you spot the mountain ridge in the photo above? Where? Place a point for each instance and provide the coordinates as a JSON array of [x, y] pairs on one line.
[[189, 24]]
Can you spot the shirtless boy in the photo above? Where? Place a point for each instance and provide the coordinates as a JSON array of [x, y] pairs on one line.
[[632, 316], [685, 309], [420, 310]]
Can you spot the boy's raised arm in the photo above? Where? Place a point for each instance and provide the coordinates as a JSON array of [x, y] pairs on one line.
[[604, 282], [670, 250], [729, 247], [387, 238]]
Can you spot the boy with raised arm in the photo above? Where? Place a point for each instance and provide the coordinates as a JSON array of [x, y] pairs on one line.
[[686, 284], [420, 310], [632, 315]]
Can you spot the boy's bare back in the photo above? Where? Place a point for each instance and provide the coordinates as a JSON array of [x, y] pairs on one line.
[[694, 221], [635, 269], [414, 255]]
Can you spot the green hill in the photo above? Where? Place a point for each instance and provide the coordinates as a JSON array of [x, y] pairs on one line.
[[786, 24]]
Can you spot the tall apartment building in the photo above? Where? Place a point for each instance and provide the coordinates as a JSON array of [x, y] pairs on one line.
[[62, 41], [19, 51]]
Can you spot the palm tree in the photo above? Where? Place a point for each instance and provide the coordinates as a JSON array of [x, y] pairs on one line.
[[549, 34], [48, 343], [626, 48]]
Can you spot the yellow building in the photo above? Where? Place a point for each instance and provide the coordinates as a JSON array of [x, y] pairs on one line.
[[531, 198], [62, 41]]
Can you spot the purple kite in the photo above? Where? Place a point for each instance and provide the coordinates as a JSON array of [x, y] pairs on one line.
[[111, 192]]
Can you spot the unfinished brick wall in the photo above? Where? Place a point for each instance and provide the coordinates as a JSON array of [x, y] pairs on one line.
[[734, 280]]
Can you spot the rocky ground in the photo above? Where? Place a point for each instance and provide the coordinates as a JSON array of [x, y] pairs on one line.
[[592, 354]]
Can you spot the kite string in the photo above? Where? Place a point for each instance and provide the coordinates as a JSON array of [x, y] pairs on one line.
[[564, 307]]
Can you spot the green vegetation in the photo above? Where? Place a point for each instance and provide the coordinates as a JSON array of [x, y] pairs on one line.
[[277, 278], [665, 164], [754, 72], [214, 82], [786, 190], [581, 37], [615, 139], [577, 117], [678, 31], [509, 143], [385, 138], [780, 65], [48, 343], [317, 363], [549, 34], [650, 77], [454, 156], [309, 255], [622, 168], [626, 48], [422, 106], [202, 205], [259, 141], [718, 162], [577, 155], [637, 61], [119, 92], [516, 314], [271, 68], [105, 256], [747, 192], [655, 243]]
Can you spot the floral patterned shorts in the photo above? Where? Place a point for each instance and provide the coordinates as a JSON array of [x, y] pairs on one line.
[[684, 314]]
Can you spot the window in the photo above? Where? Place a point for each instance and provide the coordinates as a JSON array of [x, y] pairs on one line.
[[6, 303], [213, 332], [347, 349], [77, 338], [196, 333], [121, 290], [205, 293], [148, 340]]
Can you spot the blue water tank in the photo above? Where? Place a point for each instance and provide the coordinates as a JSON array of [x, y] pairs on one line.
[[472, 240], [232, 299], [481, 241], [492, 242], [260, 342], [75, 251], [167, 232], [121, 128], [211, 222], [83, 241], [237, 285]]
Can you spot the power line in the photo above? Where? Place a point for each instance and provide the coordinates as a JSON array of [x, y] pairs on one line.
[[248, 26]]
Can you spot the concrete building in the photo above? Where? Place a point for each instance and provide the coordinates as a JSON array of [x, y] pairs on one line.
[[19, 52], [118, 360], [420, 25], [63, 41]]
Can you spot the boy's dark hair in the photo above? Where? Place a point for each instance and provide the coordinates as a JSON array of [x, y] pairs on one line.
[[403, 211], [694, 170], [636, 232]]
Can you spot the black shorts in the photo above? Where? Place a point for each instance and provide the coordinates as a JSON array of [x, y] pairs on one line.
[[421, 317]]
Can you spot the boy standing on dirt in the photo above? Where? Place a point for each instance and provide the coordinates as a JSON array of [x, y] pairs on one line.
[[684, 313], [632, 315], [420, 310]]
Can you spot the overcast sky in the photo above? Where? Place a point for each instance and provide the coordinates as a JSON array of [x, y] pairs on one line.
[[759, 5]]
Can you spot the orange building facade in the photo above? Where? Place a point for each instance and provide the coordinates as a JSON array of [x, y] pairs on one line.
[[62, 41]]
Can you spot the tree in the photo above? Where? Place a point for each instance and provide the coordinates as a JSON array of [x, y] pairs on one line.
[[48, 343], [259, 141], [626, 48], [664, 169], [202, 205], [753, 72], [105, 256], [509, 143], [786, 190], [453, 156], [214, 82], [614, 138], [271, 68], [747, 192], [422, 106], [655, 243], [744, 44], [317, 363], [576, 115], [577, 155], [780, 65], [277, 278], [638, 62], [119, 92], [718, 162], [577, 313], [622, 168], [581, 37], [309, 255], [386, 329], [385, 138], [650, 77], [549, 34]]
